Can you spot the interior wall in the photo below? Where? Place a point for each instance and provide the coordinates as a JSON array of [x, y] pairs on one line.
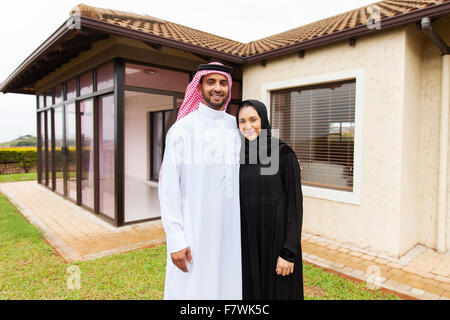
[[141, 201]]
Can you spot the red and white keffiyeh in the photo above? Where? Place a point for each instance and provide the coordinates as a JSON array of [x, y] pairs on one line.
[[193, 97]]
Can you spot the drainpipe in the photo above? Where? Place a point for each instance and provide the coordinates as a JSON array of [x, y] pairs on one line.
[[444, 130]]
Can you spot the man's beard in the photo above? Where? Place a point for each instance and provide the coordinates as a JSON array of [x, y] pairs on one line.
[[212, 104]]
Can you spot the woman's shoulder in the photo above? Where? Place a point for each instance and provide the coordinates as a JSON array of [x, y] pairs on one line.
[[285, 149], [287, 154]]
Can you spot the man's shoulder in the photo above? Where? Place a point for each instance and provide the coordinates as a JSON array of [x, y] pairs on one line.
[[230, 119], [181, 127], [184, 122]]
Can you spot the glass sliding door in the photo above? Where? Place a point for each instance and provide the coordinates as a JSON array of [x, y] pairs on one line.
[[71, 158], [49, 149], [59, 156], [87, 152], [141, 194], [106, 155], [42, 134]]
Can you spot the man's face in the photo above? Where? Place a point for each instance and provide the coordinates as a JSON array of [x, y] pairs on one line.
[[214, 89]]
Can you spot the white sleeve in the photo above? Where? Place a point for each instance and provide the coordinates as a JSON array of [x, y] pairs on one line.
[[169, 192]]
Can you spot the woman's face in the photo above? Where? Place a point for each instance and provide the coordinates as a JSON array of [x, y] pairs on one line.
[[249, 123]]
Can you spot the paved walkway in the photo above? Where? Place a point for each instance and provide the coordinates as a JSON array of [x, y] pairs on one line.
[[78, 235], [421, 273], [75, 233]]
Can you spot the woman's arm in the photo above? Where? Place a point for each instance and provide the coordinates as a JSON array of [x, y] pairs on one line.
[[290, 172]]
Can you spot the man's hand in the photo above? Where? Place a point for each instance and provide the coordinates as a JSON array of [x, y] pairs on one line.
[[179, 259], [284, 268]]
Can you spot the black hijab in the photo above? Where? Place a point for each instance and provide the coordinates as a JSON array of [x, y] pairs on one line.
[[259, 150]]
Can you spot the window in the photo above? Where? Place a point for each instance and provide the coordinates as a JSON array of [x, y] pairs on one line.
[[59, 144], [48, 99], [58, 94], [71, 89], [318, 122], [106, 155], [71, 151], [87, 152], [105, 77], [49, 149], [155, 78], [236, 90], [232, 108], [86, 83], [43, 150], [159, 124], [41, 102]]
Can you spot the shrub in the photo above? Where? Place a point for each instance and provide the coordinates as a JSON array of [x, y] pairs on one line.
[[25, 157]]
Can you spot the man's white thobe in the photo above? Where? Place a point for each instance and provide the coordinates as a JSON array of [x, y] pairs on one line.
[[199, 199]]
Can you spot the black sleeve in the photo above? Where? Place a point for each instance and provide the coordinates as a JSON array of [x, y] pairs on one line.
[[290, 172]]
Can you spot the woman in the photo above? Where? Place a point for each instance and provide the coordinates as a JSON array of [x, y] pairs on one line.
[[271, 210]]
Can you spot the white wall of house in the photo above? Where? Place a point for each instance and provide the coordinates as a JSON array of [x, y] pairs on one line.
[[429, 115]]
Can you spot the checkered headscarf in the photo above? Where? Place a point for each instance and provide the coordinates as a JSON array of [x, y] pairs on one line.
[[193, 97]]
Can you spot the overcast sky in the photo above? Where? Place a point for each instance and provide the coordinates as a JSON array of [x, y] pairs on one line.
[[24, 25]]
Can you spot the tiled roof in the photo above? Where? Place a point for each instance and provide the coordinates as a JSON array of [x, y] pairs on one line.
[[169, 30], [67, 43]]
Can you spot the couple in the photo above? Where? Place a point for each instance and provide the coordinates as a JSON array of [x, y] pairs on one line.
[[231, 200]]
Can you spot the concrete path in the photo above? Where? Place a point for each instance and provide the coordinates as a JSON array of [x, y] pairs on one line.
[[78, 235]]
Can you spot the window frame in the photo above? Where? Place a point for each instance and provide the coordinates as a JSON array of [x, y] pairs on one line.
[[358, 75]]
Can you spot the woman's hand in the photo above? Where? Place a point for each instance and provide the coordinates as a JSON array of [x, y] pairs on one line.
[[284, 268]]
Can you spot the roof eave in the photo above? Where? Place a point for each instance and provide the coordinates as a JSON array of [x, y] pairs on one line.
[[387, 23], [62, 31], [101, 26]]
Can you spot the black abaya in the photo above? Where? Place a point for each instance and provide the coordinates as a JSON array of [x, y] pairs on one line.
[[271, 216], [271, 221]]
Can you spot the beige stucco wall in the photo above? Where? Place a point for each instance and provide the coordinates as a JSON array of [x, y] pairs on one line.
[[429, 114], [411, 133], [374, 224]]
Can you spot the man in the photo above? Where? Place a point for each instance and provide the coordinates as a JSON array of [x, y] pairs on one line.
[[199, 193]]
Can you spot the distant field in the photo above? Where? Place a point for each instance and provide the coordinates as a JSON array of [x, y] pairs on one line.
[[24, 141]]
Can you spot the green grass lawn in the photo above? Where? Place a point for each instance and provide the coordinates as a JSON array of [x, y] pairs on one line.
[[30, 269], [17, 177]]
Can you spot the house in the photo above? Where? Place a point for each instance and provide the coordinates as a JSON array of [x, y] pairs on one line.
[[363, 98]]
